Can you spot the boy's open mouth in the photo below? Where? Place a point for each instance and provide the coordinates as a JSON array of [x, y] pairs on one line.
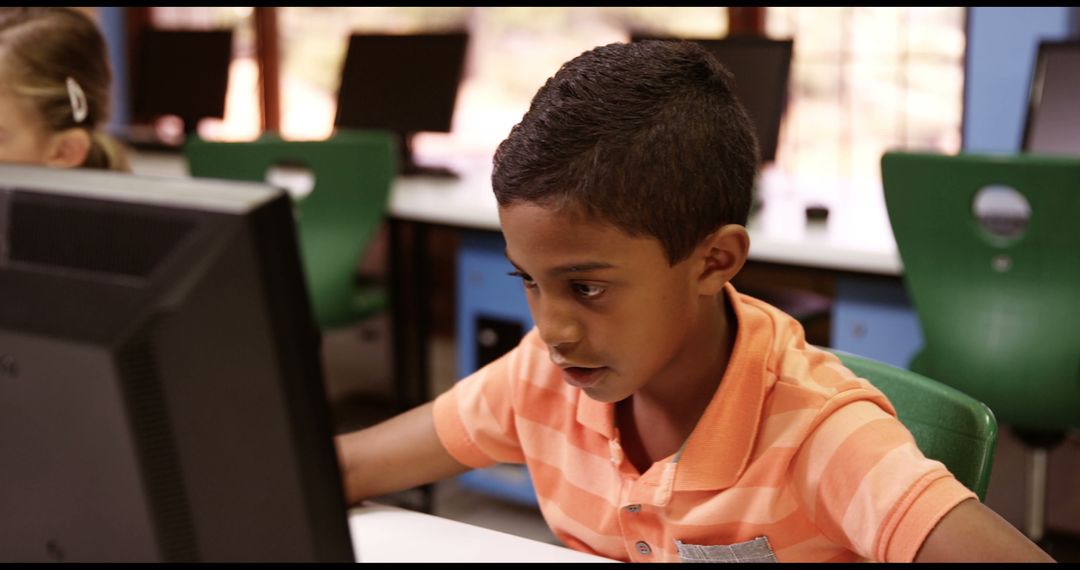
[[580, 377]]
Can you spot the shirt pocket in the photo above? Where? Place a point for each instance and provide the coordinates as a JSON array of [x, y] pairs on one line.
[[756, 550]]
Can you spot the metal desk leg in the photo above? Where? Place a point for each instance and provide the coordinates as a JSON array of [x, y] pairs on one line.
[[410, 303]]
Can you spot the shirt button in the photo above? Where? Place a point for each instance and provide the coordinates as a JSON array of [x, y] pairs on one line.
[[643, 548], [633, 508]]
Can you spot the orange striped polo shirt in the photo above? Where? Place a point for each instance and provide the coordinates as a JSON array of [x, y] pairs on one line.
[[794, 458]]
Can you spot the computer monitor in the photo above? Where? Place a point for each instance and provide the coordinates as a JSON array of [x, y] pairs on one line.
[[161, 393], [183, 73], [1052, 125], [761, 67], [402, 83]]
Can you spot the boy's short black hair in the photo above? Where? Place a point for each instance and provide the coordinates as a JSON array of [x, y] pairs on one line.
[[647, 136]]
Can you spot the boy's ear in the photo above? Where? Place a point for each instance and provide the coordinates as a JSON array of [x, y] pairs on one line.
[[720, 256], [68, 148]]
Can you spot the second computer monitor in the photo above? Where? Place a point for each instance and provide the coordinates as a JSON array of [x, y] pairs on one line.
[[1053, 121], [761, 67], [183, 73], [403, 83]]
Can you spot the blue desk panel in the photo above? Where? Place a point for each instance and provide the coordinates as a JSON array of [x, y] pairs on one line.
[[485, 293], [874, 318]]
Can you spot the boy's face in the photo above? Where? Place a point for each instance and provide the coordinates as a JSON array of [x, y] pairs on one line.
[[612, 311]]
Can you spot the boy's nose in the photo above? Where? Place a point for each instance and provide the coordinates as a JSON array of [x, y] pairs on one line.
[[558, 328]]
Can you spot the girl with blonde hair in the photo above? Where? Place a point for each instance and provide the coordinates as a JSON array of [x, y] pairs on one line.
[[55, 90]]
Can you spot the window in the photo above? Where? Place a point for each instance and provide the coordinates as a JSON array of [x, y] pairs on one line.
[[512, 52], [865, 80]]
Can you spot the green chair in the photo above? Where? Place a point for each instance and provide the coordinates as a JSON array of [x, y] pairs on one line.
[[336, 221], [998, 310], [947, 424]]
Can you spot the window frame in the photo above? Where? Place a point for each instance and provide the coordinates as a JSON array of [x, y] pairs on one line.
[[267, 57]]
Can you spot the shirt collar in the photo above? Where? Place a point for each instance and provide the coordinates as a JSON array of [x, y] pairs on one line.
[[719, 448], [714, 456]]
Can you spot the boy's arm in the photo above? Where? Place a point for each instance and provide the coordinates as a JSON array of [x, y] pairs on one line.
[[972, 532], [397, 454]]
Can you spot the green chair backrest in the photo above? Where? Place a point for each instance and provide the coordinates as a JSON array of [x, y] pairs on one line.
[[337, 220], [947, 424], [999, 316]]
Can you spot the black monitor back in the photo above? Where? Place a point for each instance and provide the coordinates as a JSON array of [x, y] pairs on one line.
[[183, 73], [161, 394], [762, 68], [403, 83], [1052, 125]]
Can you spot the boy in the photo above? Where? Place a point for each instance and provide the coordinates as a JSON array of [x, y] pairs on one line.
[[662, 415]]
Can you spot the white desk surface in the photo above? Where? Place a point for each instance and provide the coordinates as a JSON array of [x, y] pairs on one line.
[[383, 533], [857, 236]]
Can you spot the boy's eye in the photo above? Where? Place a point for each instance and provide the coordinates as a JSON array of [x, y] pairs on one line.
[[525, 278], [586, 290]]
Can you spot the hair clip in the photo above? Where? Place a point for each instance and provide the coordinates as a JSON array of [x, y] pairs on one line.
[[79, 108]]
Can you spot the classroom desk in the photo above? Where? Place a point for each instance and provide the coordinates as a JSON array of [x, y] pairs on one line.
[[857, 236], [855, 244], [389, 534]]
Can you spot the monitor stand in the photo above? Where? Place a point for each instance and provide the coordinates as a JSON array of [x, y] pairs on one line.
[[145, 137], [409, 166]]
